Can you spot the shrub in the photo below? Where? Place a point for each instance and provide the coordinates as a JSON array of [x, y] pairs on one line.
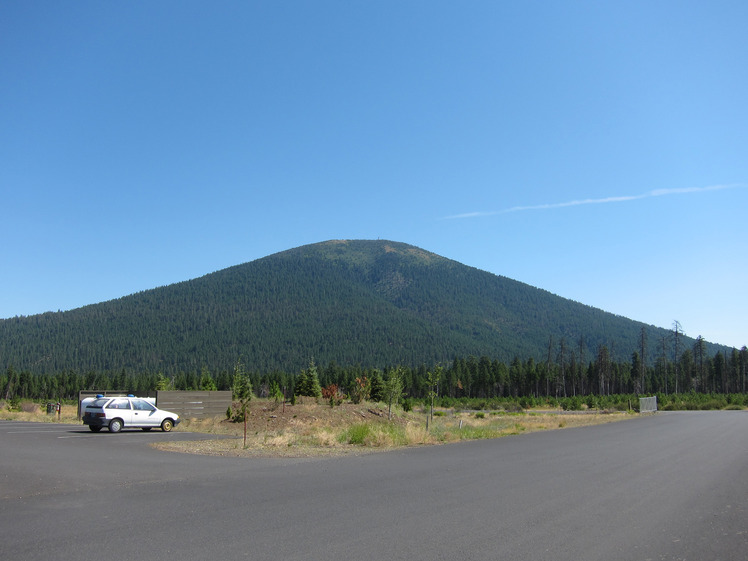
[[333, 395], [512, 407], [525, 403], [495, 404], [356, 434], [571, 404], [712, 404], [446, 401], [361, 390], [481, 404]]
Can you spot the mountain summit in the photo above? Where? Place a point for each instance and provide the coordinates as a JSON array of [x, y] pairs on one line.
[[367, 302]]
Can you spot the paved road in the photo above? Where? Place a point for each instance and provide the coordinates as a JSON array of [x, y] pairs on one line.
[[663, 487]]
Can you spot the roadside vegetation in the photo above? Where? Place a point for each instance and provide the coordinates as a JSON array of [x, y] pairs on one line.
[[313, 428]]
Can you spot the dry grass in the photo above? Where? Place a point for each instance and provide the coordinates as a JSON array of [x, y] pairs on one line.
[[33, 412], [321, 431]]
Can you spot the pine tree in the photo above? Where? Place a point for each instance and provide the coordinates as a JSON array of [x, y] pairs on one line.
[[377, 389], [308, 382], [275, 392], [207, 384], [315, 390], [301, 387], [241, 390]]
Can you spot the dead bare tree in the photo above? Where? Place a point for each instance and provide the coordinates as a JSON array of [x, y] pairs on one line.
[[678, 330]]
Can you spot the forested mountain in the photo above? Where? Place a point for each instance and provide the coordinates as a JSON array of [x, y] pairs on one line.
[[372, 303]]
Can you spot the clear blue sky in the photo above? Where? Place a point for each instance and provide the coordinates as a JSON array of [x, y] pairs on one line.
[[598, 150]]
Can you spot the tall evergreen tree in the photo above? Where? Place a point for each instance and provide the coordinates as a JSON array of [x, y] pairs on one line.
[[636, 371], [643, 360], [241, 391], [603, 369], [207, 383], [376, 389], [308, 382]]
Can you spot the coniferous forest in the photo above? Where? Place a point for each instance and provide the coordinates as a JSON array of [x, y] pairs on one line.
[[358, 309]]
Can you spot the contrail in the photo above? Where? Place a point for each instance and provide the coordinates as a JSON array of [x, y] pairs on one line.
[[606, 200]]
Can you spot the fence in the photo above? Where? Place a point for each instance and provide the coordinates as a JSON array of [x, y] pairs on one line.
[[186, 404], [194, 404], [648, 404]]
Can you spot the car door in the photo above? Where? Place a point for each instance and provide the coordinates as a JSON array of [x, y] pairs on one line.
[[120, 407], [144, 414]]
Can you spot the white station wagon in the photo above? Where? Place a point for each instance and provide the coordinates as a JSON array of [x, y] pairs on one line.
[[117, 413]]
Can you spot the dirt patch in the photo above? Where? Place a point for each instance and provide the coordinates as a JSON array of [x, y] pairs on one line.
[[268, 416], [306, 429], [234, 448]]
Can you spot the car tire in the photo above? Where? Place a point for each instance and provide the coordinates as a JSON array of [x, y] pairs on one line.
[[93, 428], [167, 425], [115, 425]]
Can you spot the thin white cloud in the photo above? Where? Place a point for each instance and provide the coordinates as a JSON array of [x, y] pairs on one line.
[[606, 200]]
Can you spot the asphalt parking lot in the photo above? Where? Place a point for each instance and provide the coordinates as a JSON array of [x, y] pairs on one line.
[[43, 458], [669, 486]]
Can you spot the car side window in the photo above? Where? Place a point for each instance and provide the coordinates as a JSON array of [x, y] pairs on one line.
[[142, 405], [119, 404]]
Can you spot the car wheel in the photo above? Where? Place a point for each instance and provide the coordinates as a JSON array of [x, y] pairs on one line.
[[146, 429], [115, 425], [167, 425], [94, 429]]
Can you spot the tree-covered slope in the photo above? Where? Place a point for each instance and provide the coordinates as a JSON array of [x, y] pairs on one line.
[[373, 303]]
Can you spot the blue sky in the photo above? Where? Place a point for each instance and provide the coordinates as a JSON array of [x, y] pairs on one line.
[[598, 150]]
